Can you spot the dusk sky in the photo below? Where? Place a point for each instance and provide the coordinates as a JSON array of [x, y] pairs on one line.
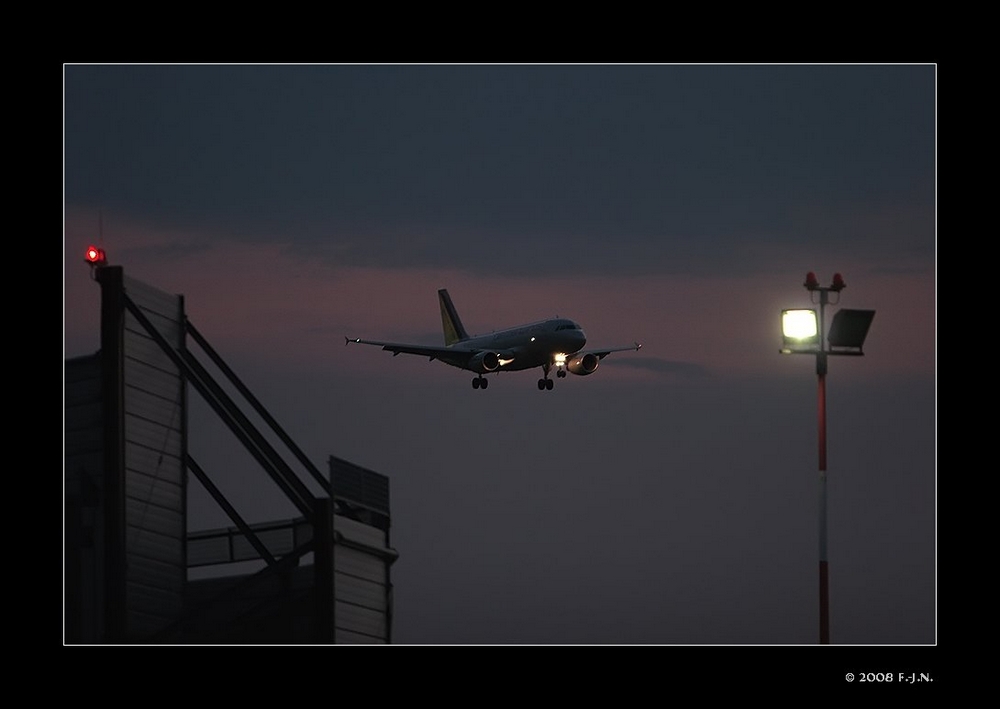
[[671, 497]]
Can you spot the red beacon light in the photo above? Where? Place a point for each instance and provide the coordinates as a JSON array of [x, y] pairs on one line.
[[96, 256], [838, 283], [811, 282]]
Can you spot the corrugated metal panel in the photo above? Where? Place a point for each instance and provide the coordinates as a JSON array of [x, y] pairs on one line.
[[162, 484], [164, 599], [359, 485], [142, 377], [359, 592], [362, 621], [359, 564], [142, 349], [160, 406], [151, 608], [143, 514], [153, 572], [345, 637], [360, 532], [144, 625], [153, 435], [146, 543], [154, 483], [153, 299]]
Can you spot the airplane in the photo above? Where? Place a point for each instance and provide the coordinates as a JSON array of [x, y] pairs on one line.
[[557, 343]]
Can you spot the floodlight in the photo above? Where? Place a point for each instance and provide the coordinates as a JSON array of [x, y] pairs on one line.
[[799, 331], [850, 328]]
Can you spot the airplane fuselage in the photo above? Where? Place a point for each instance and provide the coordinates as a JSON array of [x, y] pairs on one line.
[[528, 346]]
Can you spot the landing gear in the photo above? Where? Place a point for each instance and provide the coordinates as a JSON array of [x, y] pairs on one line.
[[480, 382], [545, 382]]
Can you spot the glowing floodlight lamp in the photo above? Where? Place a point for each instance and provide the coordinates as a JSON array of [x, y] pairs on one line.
[[799, 331]]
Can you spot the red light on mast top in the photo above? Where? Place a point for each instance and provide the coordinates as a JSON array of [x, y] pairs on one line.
[[811, 282], [96, 256], [838, 283]]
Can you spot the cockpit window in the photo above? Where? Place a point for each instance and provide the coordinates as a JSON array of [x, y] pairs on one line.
[[568, 325]]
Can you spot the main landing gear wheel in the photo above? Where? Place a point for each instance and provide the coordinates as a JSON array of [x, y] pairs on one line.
[[480, 383], [545, 382]]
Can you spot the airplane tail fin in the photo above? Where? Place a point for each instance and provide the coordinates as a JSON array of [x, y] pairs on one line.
[[454, 331]]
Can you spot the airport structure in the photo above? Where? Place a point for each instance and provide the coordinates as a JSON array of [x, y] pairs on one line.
[[320, 577]]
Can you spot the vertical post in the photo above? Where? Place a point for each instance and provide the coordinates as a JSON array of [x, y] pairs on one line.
[[824, 574], [824, 571], [846, 339], [324, 572], [112, 282]]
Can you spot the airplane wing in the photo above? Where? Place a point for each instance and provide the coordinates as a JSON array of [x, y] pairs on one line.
[[602, 353], [451, 355], [400, 348]]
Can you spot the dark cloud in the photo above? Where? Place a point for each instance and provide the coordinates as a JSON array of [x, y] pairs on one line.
[[514, 169]]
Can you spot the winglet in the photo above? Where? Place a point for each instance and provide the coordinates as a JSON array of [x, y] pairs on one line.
[[638, 346]]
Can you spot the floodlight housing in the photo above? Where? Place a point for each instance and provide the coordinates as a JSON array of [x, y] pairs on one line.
[[799, 331], [849, 330]]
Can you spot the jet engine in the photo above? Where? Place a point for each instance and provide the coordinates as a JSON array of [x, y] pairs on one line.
[[583, 364], [484, 362]]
